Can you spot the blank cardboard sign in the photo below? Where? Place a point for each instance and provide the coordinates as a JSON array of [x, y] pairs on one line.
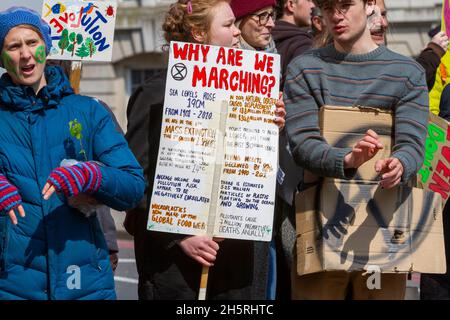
[[354, 224]]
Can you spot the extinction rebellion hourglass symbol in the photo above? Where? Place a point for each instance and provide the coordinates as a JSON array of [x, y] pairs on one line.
[[179, 72]]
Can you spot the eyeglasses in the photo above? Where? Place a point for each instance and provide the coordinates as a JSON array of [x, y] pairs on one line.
[[263, 17], [341, 7]]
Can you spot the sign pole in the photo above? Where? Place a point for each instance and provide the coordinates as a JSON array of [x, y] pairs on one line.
[[203, 283], [215, 191], [75, 75]]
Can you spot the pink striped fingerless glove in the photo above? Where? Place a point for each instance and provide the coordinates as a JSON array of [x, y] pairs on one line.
[[84, 177], [9, 195]]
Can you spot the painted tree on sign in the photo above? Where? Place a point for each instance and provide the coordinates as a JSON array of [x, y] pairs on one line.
[[91, 47], [74, 40], [82, 51], [63, 43]]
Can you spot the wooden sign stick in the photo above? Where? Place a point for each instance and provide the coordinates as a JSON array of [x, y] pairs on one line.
[[215, 191], [75, 75]]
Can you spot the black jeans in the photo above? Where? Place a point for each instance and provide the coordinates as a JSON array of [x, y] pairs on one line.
[[437, 286]]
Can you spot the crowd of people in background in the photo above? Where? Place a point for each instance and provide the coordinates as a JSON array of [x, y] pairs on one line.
[[43, 229]]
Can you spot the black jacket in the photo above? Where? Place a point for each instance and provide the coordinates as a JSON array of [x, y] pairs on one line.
[[429, 59], [165, 271], [291, 41]]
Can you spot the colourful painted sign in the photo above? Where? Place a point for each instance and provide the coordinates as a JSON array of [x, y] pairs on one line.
[[435, 172], [218, 151], [81, 30]]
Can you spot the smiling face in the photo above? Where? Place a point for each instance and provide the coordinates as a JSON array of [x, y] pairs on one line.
[[378, 32], [256, 34], [23, 56]]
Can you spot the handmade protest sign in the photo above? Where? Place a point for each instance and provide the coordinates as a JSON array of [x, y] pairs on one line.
[[81, 30], [200, 80], [435, 172]]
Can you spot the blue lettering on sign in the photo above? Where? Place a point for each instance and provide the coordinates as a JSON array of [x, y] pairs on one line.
[[89, 22]]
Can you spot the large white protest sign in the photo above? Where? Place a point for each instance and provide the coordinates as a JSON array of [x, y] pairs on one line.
[[200, 80], [81, 30]]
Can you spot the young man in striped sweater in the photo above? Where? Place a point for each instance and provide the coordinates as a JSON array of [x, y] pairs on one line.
[[353, 70]]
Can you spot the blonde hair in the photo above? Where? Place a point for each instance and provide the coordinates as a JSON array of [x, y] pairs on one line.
[[179, 23]]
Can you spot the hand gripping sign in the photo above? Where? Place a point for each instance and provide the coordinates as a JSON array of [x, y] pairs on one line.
[[217, 160]]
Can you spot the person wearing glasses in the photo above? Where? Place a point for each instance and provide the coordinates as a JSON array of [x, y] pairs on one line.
[[292, 36], [354, 70], [169, 264], [255, 20]]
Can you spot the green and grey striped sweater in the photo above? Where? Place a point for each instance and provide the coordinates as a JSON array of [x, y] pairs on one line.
[[381, 78]]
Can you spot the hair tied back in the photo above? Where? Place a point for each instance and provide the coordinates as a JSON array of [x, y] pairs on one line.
[[189, 7]]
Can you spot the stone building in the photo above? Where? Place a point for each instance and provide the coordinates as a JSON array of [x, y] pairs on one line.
[[138, 40]]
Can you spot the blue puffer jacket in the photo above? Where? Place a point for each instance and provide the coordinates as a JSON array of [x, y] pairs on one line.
[[55, 252]]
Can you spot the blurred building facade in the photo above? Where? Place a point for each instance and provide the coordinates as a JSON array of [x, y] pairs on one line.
[[138, 41], [410, 21], [137, 54]]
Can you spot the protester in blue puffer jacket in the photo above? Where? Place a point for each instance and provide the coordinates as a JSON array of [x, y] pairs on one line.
[[48, 249]]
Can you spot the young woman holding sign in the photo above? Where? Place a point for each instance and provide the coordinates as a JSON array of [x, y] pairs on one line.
[[48, 249], [169, 265]]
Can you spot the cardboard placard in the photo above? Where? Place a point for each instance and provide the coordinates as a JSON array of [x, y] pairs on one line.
[[200, 80], [351, 225], [435, 172], [81, 30], [344, 126]]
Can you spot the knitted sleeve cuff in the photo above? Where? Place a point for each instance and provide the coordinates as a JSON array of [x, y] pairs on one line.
[[408, 169], [9, 195], [343, 173]]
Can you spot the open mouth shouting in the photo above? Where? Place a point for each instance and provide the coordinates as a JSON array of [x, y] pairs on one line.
[[28, 69]]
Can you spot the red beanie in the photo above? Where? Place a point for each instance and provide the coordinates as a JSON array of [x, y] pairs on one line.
[[241, 8]]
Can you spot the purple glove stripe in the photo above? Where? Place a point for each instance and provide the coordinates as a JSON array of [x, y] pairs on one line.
[[77, 176], [62, 182], [94, 177], [9, 195], [99, 178], [91, 176], [4, 186], [82, 177], [13, 205]]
